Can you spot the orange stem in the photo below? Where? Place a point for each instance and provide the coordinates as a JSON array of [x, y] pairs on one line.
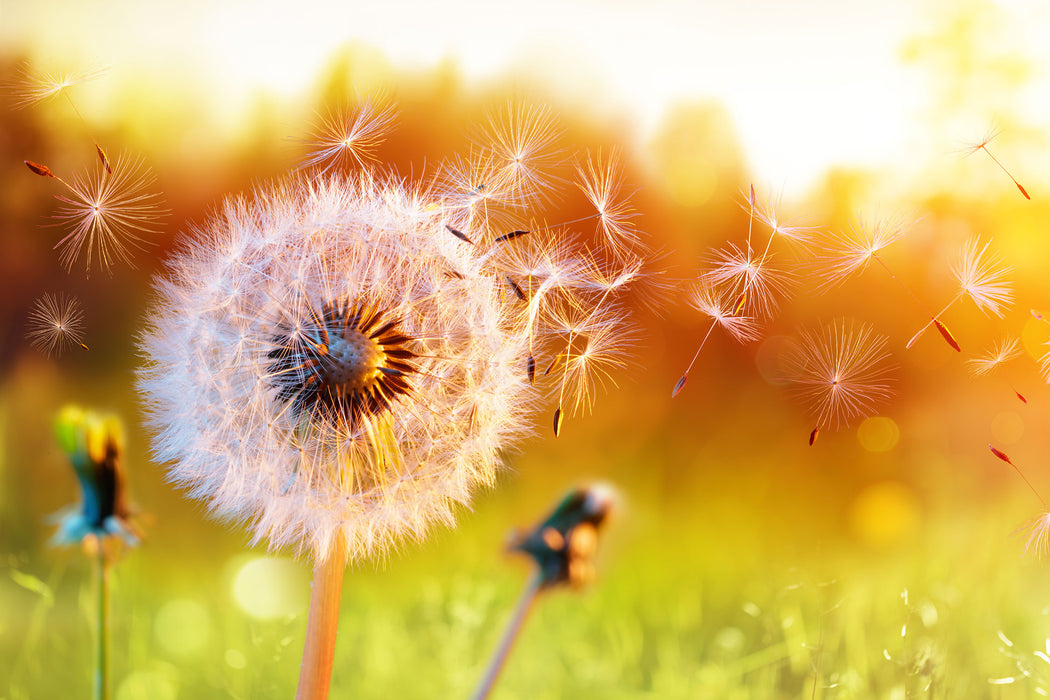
[[315, 672]]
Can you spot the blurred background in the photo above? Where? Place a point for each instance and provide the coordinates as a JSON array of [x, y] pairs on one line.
[[741, 562]]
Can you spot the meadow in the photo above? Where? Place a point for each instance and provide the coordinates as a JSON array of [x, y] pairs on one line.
[[770, 538]]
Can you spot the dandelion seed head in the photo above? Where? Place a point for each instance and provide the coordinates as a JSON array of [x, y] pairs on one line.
[[55, 323], [839, 372], [327, 363]]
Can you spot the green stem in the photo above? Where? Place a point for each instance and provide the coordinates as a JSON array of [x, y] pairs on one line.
[[510, 634], [102, 670]]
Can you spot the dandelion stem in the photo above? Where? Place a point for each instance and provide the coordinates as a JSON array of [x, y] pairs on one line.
[[1023, 190], [681, 382], [510, 634], [904, 286], [102, 660], [315, 672]]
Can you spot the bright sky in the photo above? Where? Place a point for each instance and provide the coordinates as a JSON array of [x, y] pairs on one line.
[[808, 84]]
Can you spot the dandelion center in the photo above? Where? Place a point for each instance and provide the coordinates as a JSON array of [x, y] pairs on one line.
[[344, 365]]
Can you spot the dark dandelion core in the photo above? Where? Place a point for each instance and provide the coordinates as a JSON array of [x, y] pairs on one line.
[[342, 366]]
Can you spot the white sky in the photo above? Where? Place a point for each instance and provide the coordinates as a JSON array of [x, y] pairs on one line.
[[808, 84]]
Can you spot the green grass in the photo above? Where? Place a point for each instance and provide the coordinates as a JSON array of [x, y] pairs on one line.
[[672, 616]]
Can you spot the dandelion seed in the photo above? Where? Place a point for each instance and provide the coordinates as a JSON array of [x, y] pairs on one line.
[[711, 302], [510, 236], [348, 136], [840, 372], [56, 322], [767, 215], [517, 290], [601, 180], [31, 88], [39, 168], [947, 335], [34, 86], [980, 277], [595, 348], [521, 143], [1001, 352], [476, 193], [1002, 456], [762, 285], [982, 145], [459, 234], [851, 253], [1037, 535], [108, 215]]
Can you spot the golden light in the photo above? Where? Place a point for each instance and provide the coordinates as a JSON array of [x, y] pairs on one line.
[[807, 86]]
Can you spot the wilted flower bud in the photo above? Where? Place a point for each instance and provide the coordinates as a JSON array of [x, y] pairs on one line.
[[564, 545], [95, 445]]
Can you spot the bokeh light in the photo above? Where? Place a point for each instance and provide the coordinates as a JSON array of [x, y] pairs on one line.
[[878, 434], [182, 627], [884, 514], [270, 587], [152, 684]]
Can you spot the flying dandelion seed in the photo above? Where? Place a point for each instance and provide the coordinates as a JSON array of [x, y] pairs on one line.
[[1001, 352], [982, 145], [839, 372], [716, 305], [981, 277], [761, 285], [999, 454], [851, 253], [33, 87], [767, 215], [1037, 531], [108, 214], [56, 322], [742, 286], [349, 136], [1036, 535], [601, 180], [521, 143]]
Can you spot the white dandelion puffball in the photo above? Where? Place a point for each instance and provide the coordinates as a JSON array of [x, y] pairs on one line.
[[328, 363]]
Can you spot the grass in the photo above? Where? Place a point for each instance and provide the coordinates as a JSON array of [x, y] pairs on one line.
[[682, 610]]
